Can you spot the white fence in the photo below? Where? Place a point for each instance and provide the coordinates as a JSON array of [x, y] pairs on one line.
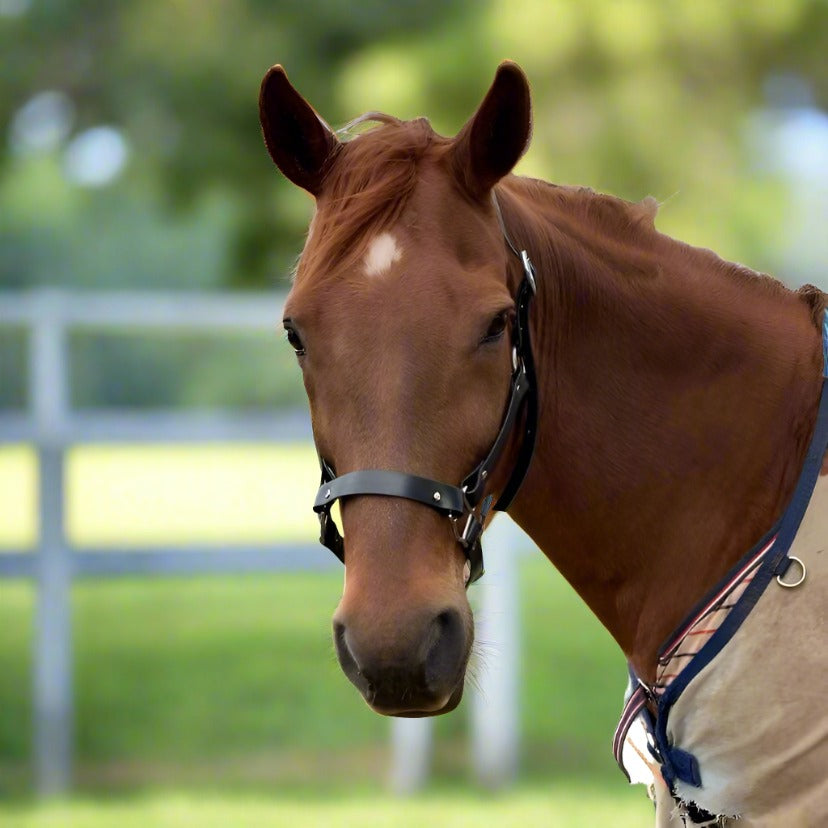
[[51, 427]]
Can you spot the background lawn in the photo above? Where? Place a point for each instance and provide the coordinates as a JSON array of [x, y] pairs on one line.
[[229, 685], [557, 806], [168, 494]]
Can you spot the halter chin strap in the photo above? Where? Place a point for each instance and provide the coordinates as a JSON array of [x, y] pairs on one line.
[[466, 505]]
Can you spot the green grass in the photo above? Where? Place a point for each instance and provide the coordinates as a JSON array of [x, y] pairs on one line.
[[569, 806], [230, 684], [18, 488], [171, 672], [162, 494]]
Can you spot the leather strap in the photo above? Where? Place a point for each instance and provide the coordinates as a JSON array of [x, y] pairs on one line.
[[459, 503], [440, 496], [524, 349], [475, 483]]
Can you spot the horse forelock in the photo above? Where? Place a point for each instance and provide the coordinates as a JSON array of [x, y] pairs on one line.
[[367, 187]]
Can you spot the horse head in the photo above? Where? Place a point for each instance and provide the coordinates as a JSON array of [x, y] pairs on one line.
[[401, 315]]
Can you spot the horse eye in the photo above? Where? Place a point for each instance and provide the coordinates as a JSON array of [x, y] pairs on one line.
[[496, 327], [295, 341]]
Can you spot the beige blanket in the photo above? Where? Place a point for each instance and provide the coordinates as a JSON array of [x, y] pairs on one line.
[[756, 717]]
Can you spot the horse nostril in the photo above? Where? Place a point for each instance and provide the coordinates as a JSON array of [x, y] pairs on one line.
[[444, 659], [343, 651], [339, 635]]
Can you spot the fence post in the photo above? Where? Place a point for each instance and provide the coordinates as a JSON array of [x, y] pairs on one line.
[[53, 713], [411, 741], [494, 701]]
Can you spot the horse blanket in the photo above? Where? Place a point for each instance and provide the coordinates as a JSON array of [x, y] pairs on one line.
[[756, 717]]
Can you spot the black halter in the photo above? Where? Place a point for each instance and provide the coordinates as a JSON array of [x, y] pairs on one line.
[[465, 505]]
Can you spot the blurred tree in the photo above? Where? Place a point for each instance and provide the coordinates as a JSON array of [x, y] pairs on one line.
[[634, 97], [631, 96], [181, 80]]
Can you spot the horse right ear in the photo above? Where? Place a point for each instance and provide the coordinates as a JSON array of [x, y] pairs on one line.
[[300, 143], [495, 137]]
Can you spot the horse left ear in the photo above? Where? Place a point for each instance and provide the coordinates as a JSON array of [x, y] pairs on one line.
[[495, 137], [300, 143]]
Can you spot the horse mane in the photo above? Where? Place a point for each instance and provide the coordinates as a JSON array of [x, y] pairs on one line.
[[608, 229], [367, 186]]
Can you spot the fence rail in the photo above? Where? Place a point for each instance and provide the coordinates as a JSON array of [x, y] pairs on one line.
[[51, 427], [125, 426]]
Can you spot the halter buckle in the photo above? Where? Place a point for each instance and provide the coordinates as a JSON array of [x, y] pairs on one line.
[[474, 524]]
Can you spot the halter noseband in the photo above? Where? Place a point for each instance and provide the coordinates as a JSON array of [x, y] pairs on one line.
[[465, 505]]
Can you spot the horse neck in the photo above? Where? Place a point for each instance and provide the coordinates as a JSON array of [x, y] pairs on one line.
[[677, 397]]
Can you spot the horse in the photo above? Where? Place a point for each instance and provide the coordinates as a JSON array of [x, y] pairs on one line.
[[654, 417]]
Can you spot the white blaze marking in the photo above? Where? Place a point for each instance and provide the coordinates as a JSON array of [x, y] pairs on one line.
[[382, 253]]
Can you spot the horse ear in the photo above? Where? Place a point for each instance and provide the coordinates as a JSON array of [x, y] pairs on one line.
[[300, 143], [496, 136]]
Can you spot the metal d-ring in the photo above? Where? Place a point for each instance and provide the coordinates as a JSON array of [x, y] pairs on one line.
[[801, 578]]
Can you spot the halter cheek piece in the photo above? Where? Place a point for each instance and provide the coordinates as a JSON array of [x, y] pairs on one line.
[[466, 505]]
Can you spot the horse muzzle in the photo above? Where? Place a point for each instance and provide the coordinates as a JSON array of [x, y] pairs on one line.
[[417, 671]]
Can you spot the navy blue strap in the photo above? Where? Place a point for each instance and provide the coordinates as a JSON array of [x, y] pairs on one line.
[[825, 345]]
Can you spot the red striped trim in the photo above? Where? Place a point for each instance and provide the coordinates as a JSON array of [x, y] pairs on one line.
[[716, 598], [631, 709]]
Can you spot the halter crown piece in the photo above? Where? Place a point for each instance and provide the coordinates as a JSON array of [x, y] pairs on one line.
[[466, 505]]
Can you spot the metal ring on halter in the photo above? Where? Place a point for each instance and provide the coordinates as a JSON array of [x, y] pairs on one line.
[[801, 578]]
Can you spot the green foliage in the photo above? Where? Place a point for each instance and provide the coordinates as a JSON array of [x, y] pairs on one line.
[[181, 79], [13, 352], [54, 233], [635, 97], [166, 370]]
